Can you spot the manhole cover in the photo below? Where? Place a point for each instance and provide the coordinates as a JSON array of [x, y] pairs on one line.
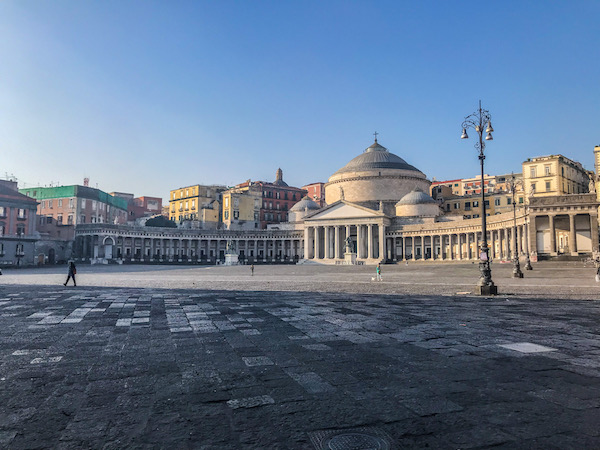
[[361, 438], [355, 441]]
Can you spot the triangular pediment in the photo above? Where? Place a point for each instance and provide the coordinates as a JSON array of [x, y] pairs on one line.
[[343, 210]]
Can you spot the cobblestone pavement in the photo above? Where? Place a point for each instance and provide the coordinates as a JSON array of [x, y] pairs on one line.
[[149, 367]]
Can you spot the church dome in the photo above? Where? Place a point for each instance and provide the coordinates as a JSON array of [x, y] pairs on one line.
[[305, 203], [416, 197], [375, 157], [374, 176]]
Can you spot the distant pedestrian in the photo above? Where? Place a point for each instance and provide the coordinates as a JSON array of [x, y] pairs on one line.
[[378, 272], [71, 274], [252, 270]]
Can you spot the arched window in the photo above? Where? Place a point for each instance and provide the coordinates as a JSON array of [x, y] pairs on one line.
[[20, 229]]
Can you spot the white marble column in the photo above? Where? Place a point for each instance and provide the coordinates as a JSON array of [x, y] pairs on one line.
[[381, 255], [370, 251]]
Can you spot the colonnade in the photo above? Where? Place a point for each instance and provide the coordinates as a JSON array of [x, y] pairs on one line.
[[103, 244], [457, 246]]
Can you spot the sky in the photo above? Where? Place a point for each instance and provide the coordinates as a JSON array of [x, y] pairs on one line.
[[148, 96]]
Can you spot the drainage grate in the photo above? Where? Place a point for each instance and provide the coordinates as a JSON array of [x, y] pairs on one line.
[[351, 439]]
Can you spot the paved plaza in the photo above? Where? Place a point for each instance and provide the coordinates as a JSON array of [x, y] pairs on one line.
[[306, 357]]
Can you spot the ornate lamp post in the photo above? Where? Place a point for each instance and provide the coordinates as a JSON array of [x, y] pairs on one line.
[[477, 120], [516, 266]]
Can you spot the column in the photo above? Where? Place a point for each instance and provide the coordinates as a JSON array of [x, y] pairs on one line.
[[552, 234], [572, 235], [326, 242], [370, 251], [317, 243], [381, 255], [404, 247], [348, 231], [306, 241], [412, 248], [359, 242], [336, 242], [459, 253], [594, 231]]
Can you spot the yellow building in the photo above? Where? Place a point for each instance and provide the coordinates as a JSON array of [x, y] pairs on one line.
[[241, 207], [196, 203], [469, 207], [554, 175]]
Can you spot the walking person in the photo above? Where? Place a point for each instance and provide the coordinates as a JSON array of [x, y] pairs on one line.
[[71, 274], [378, 272], [252, 270]]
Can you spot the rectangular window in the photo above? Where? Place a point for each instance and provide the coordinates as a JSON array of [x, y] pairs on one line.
[[226, 202], [226, 214], [82, 219], [49, 203], [521, 200], [21, 213], [2, 211], [475, 204], [60, 202], [508, 201], [547, 186], [487, 203], [496, 202], [83, 202], [468, 206], [533, 187], [457, 206], [532, 172], [70, 219], [71, 203], [475, 216], [547, 170], [94, 205], [236, 215], [59, 218]]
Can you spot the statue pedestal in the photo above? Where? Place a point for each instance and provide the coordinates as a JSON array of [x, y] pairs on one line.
[[231, 259], [349, 258]]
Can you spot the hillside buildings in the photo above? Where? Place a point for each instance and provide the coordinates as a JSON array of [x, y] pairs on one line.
[[17, 225], [139, 207], [76, 204], [555, 175], [252, 205], [200, 204], [316, 192]]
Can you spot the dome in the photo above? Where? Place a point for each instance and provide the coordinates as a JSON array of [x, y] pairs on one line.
[[279, 179], [305, 203], [376, 157], [416, 197]]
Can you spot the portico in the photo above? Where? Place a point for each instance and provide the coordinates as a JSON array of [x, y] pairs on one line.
[[326, 231]]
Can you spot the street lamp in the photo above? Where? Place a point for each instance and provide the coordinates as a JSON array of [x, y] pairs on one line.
[[477, 120], [516, 266]]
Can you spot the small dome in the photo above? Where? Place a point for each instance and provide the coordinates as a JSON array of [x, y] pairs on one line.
[[279, 179], [376, 157], [305, 203], [416, 197]]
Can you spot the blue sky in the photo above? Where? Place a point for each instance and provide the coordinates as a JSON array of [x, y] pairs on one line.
[[148, 96]]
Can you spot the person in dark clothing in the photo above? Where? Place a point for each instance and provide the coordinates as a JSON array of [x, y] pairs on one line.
[[71, 274]]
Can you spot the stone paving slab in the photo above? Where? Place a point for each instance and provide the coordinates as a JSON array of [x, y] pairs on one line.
[[174, 368]]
